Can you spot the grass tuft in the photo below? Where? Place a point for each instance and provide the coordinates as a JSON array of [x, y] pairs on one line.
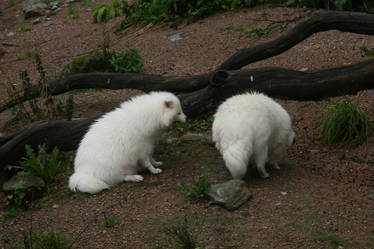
[[342, 122], [198, 186]]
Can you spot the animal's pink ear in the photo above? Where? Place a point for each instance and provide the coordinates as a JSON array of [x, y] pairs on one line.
[[168, 104]]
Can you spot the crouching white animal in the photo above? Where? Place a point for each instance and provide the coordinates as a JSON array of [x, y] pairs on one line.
[[252, 128], [120, 144]]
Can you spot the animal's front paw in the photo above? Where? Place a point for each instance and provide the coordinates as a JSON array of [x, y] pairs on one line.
[[265, 176], [156, 171], [133, 178]]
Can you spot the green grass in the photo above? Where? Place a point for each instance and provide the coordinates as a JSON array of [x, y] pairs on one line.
[[342, 122], [332, 239], [23, 27], [10, 213], [44, 240], [183, 236], [196, 189], [26, 55]]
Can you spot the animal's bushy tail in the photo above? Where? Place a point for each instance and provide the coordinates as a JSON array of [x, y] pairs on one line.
[[236, 158], [86, 183]]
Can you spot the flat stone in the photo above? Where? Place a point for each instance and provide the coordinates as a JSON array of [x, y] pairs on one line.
[[231, 194], [29, 181], [177, 36], [33, 8], [48, 23]]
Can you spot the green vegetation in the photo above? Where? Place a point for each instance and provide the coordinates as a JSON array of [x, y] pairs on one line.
[[198, 125], [10, 213], [23, 27], [127, 61], [367, 51], [109, 222], [44, 240], [169, 12], [343, 122], [44, 108], [19, 197], [198, 186], [25, 55], [183, 236], [332, 239], [42, 164], [106, 11]]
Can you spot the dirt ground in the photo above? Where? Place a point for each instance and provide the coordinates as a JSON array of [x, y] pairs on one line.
[[319, 191]]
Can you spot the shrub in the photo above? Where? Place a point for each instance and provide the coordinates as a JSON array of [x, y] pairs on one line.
[[343, 122], [127, 61], [197, 188], [106, 11], [43, 164]]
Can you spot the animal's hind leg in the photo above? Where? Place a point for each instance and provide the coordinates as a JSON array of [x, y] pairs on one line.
[[260, 158], [148, 165]]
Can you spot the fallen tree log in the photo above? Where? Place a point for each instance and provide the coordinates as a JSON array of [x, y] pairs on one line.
[[276, 82], [145, 82], [318, 21]]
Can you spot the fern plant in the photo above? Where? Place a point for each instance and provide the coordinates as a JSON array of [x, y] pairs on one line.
[[42, 164], [106, 11], [343, 122]]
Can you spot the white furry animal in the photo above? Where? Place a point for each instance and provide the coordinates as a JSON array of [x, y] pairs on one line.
[[120, 144], [254, 128]]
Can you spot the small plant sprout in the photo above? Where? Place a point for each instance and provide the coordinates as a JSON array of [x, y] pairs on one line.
[[198, 186], [109, 222]]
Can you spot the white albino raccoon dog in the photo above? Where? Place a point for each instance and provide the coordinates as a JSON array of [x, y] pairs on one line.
[[252, 128], [119, 145]]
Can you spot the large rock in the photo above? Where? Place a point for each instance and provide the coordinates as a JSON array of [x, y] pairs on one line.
[[231, 194], [33, 8], [95, 61], [32, 186], [29, 181]]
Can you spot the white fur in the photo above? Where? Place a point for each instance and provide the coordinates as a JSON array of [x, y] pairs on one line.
[[120, 144], [254, 128]]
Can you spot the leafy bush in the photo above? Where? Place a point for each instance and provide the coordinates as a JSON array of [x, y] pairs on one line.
[[127, 61], [106, 11], [44, 240], [351, 5], [343, 122], [161, 11], [197, 188], [19, 197], [43, 164]]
